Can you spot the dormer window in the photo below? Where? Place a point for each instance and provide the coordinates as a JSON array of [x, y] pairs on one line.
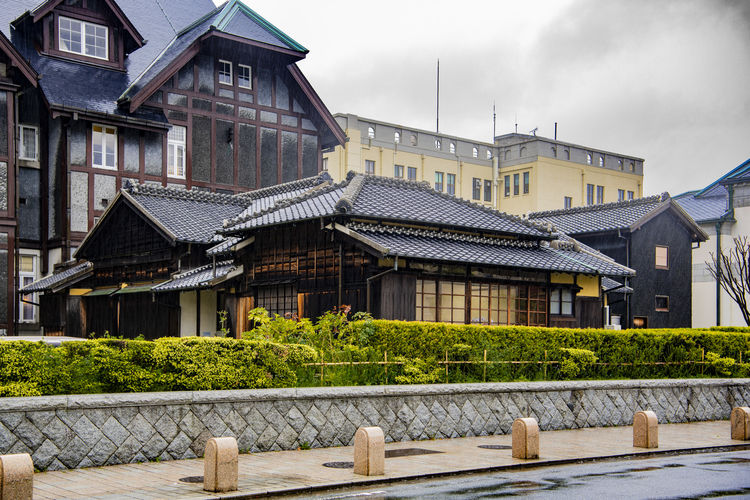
[[84, 38]]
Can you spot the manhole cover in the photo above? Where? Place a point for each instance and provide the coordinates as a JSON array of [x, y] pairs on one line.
[[192, 479], [495, 446], [408, 452], [339, 465]]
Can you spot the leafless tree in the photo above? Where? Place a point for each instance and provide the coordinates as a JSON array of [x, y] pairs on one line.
[[732, 270]]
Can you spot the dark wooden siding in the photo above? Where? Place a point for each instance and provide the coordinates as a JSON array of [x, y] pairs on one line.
[[326, 270]]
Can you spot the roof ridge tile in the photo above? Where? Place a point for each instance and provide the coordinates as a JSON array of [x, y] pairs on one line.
[[284, 203], [659, 198], [183, 194]]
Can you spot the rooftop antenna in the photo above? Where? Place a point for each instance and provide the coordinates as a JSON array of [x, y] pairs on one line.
[[516, 123], [437, 112], [533, 131], [494, 121]]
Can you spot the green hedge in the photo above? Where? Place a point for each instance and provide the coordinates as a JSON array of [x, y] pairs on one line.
[[167, 364], [627, 353]]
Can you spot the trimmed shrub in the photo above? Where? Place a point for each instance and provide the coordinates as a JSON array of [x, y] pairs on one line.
[[167, 364]]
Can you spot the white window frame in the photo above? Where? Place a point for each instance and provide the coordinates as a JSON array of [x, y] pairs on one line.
[[231, 75], [103, 145], [22, 149], [249, 76], [84, 26], [31, 297], [173, 146]]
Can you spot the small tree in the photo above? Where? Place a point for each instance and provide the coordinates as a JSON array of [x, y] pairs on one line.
[[732, 271]]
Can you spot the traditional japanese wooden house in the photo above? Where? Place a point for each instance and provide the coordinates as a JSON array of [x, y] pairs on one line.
[[148, 270], [401, 250]]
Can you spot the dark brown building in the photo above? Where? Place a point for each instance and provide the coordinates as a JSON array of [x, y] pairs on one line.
[[95, 94]]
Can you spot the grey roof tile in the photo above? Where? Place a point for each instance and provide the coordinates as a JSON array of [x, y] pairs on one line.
[[453, 247], [190, 215], [196, 278], [598, 218], [390, 199], [68, 276], [703, 209]]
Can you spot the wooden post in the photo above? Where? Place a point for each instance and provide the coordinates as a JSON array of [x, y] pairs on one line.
[[484, 375], [386, 366], [446, 366], [545, 364]]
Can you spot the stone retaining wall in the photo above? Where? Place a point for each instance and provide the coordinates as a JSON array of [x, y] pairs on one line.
[[87, 430]]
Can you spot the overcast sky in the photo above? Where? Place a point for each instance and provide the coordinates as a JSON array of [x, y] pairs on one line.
[[667, 81]]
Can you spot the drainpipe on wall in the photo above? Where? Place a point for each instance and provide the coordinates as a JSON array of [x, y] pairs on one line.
[[718, 284], [727, 216], [627, 264]]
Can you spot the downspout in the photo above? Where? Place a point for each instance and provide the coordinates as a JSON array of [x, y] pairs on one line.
[[718, 283], [495, 177], [377, 276], [727, 216], [627, 264]]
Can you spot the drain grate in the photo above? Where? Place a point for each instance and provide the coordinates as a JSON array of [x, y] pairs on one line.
[[495, 446], [192, 479], [339, 465], [409, 452]]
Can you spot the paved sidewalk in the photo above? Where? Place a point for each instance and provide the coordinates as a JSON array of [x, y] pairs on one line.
[[303, 470]]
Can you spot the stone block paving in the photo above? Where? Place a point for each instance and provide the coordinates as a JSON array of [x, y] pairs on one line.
[[302, 470], [69, 438]]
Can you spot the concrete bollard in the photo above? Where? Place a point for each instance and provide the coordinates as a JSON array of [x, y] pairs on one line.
[[645, 430], [740, 423], [220, 465], [16, 477], [369, 451], [525, 438]]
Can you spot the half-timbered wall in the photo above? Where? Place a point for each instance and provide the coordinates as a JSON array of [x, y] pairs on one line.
[[238, 138]]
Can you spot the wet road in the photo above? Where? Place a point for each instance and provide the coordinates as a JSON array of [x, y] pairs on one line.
[[713, 475]]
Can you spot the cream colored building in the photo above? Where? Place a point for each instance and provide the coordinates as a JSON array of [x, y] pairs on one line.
[[722, 210], [516, 174]]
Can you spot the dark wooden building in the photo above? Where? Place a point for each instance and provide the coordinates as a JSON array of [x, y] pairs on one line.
[[400, 250], [98, 93], [153, 264], [397, 249], [654, 236]]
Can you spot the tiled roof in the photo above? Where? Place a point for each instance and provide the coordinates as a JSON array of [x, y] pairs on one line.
[[66, 276], [598, 218], [263, 199], [223, 246], [232, 18], [189, 215], [382, 198], [453, 247], [196, 278], [703, 209], [610, 285]]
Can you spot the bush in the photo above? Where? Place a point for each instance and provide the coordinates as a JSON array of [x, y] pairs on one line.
[[167, 364]]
